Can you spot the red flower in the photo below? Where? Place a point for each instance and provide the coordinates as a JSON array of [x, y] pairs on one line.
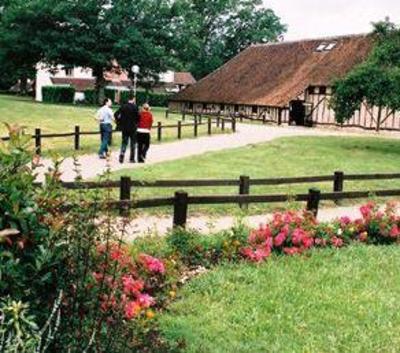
[[132, 309], [298, 236], [394, 231], [132, 286], [337, 242]]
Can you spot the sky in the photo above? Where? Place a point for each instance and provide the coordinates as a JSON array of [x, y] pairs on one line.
[[313, 18]]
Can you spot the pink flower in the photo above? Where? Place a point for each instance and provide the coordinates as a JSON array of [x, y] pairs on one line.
[[344, 221], [145, 300], [366, 210], [132, 286], [320, 242], [257, 255], [394, 231], [152, 264], [298, 235], [280, 239], [337, 242], [132, 309]]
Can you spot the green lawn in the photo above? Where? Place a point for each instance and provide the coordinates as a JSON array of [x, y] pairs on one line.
[[344, 300], [294, 156], [53, 118]]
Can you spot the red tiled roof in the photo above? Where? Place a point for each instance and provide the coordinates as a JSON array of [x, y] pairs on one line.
[[183, 78], [274, 74]]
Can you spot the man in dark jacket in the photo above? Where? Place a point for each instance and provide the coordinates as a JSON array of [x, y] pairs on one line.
[[127, 118]]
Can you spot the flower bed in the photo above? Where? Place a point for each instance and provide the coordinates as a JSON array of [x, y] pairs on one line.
[[293, 233]]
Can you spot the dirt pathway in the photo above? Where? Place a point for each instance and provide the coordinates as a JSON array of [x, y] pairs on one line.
[[246, 134], [160, 225]]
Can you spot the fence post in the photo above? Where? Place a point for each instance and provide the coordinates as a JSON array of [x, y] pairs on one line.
[[244, 189], [77, 136], [125, 194], [209, 126], [180, 209], [218, 120], [179, 130], [200, 119], [264, 119], [223, 124], [233, 124], [159, 131], [338, 179], [38, 141], [195, 126], [314, 196], [183, 115]]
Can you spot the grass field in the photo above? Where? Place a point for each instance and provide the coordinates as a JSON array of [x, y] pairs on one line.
[[332, 301], [53, 118], [295, 156]]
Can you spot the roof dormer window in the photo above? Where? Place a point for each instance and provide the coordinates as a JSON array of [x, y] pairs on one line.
[[326, 46]]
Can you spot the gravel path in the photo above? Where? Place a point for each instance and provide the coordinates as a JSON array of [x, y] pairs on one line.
[[246, 134], [160, 225]]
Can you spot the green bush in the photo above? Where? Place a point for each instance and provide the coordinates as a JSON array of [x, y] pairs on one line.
[[154, 99], [90, 96], [58, 94]]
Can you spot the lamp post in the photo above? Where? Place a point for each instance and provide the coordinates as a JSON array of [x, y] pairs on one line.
[[135, 70]]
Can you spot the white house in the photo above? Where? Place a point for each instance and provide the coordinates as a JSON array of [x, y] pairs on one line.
[[82, 79]]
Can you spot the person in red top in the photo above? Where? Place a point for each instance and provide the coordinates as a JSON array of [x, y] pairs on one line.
[[143, 132]]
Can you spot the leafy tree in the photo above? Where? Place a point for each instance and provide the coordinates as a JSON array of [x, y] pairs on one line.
[[91, 33], [19, 49], [210, 32], [376, 81]]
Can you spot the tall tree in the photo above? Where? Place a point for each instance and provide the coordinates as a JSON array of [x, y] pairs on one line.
[[376, 81], [210, 32], [92, 34]]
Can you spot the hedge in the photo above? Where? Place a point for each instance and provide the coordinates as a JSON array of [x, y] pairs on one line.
[[154, 99], [58, 94]]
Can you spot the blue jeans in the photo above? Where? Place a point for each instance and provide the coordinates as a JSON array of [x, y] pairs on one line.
[[105, 135]]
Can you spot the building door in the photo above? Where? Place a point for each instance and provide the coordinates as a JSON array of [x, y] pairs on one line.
[[297, 113]]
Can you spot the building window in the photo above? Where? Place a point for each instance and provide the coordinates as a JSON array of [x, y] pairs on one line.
[[311, 90], [236, 108], [322, 90], [191, 105], [69, 72], [204, 106], [254, 109], [222, 107]]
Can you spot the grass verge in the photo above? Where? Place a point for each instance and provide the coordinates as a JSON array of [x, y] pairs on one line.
[[331, 301]]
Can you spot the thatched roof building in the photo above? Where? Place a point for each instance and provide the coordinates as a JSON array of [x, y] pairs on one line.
[[289, 81]]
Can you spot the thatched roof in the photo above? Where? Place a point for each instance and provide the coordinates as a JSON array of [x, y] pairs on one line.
[[274, 74]]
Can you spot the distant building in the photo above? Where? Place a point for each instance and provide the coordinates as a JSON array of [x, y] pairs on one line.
[[285, 82], [82, 79]]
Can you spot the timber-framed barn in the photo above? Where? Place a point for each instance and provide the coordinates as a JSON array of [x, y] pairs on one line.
[[286, 82]]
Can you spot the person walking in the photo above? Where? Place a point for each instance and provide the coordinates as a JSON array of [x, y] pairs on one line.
[[144, 129], [105, 117], [127, 117]]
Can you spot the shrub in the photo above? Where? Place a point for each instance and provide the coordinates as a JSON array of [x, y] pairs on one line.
[[154, 99], [58, 94]]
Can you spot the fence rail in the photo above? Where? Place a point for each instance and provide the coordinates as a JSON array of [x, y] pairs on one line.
[[181, 199], [219, 123]]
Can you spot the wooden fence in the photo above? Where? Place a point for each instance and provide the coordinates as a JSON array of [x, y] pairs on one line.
[[221, 123], [181, 199]]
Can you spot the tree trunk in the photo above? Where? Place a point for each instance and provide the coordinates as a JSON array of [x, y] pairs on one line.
[[379, 118], [23, 86], [100, 84]]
